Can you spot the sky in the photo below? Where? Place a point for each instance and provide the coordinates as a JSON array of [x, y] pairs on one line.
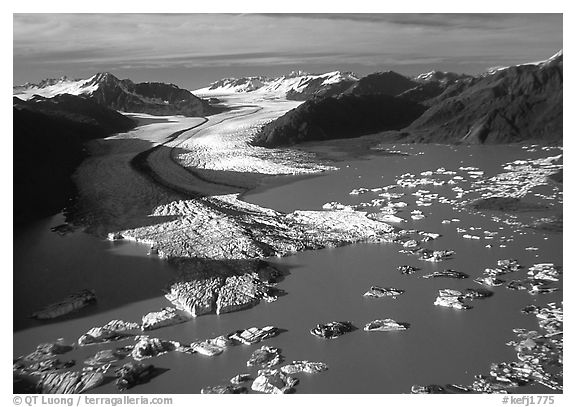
[[193, 50]]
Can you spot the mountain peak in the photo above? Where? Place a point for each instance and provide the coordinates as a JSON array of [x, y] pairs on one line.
[[295, 74], [103, 77]]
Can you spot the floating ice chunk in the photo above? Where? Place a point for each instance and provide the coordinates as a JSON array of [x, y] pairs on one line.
[[359, 191], [407, 269], [397, 204], [337, 206], [410, 243], [391, 218], [385, 325], [379, 292], [430, 235], [474, 237], [489, 281]]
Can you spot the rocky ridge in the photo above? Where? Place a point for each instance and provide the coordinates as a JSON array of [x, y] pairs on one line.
[[107, 90]]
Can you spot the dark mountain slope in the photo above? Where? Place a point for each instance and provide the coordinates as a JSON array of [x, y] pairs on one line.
[[148, 97], [49, 137], [338, 117], [382, 83], [514, 104]]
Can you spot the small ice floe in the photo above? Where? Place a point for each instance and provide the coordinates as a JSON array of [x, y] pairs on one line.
[[385, 325], [397, 204], [448, 273], [265, 357], [490, 281], [304, 366], [379, 292], [429, 389], [254, 335], [474, 237], [410, 244], [71, 303], [359, 191], [391, 218], [241, 378], [407, 269], [446, 221], [510, 264], [545, 271], [430, 235], [332, 329], [517, 285], [165, 317], [451, 299], [391, 195], [435, 255], [417, 215], [134, 373], [273, 381], [477, 293], [336, 206]]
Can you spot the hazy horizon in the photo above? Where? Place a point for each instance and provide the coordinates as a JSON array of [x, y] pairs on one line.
[[193, 50]]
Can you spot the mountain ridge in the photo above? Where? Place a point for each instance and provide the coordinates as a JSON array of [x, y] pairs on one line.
[[122, 94], [512, 104]]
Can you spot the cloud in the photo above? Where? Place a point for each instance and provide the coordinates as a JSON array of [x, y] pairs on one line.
[[229, 40]]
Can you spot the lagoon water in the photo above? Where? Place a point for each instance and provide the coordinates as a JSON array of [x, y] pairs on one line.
[[441, 346]]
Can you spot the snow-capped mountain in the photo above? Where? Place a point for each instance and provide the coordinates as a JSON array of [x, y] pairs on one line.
[[439, 76], [513, 104], [296, 85], [124, 95], [234, 85], [51, 87], [557, 58]]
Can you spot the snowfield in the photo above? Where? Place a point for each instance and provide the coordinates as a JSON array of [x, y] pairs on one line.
[[61, 86], [272, 87]]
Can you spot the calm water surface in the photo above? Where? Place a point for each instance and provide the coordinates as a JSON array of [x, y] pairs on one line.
[[442, 345]]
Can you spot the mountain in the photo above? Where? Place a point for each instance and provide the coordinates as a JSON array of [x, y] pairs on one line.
[[511, 104], [505, 105], [49, 136], [124, 95], [233, 85], [440, 77], [382, 83], [297, 85], [431, 84], [344, 116], [325, 85]]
